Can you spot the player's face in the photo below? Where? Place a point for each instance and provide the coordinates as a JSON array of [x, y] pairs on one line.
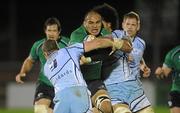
[[131, 26], [93, 23], [52, 32]]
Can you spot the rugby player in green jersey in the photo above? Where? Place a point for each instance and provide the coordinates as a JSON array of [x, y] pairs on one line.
[[90, 29], [171, 66], [43, 100]]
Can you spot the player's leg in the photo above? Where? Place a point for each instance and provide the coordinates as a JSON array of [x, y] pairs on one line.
[[174, 101], [42, 106], [101, 100], [148, 109], [100, 97], [138, 101], [80, 100], [175, 110], [62, 101], [44, 99], [121, 108]]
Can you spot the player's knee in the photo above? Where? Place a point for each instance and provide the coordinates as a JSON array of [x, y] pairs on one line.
[[146, 110], [122, 109], [106, 107], [40, 109], [103, 104]]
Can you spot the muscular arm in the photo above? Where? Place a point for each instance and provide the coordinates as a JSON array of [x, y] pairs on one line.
[[97, 43], [26, 67], [106, 42]]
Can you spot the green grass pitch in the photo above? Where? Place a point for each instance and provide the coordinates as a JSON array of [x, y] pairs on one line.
[[156, 109]]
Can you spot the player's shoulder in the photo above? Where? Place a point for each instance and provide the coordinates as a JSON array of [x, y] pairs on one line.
[[140, 40], [79, 31], [39, 42], [76, 45], [64, 40], [78, 35], [177, 48], [174, 51], [117, 33]]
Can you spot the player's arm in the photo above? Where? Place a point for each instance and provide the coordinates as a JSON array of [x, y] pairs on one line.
[[126, 45], [167, 67], [104, 43], [144, 68], [97, 43], [26, 67]]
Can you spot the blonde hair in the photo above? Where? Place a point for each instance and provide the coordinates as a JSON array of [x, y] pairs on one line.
[[132, 14]]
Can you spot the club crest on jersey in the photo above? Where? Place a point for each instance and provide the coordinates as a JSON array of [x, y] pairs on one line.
[[53, 65]]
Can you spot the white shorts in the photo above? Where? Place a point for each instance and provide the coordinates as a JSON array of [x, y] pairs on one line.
[[130, 92]]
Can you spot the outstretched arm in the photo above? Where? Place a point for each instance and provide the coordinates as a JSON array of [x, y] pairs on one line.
[[102, 43], [26, 67]]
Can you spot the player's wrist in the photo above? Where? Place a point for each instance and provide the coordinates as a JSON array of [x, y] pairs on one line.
[[118, 43]]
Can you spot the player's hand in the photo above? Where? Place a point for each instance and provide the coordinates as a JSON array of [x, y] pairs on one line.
[[19, 77], [159, 73], [90, 37], [117, 44], [85, 60], [130, 58], [146, 70], [127, 46], [123, 44]]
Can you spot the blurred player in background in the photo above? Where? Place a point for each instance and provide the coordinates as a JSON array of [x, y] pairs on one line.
[[44, 90], [171, 66]]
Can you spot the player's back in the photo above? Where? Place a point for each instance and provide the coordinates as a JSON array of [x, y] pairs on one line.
[[62, 68]]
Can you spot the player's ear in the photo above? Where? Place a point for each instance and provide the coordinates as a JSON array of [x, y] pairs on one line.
[[59, 32], [84, 23]]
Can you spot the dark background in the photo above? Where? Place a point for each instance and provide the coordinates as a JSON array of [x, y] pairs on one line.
[[21, 22]]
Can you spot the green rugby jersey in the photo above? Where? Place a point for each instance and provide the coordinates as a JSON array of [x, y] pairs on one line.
[[172, 60], [92, 70], [36, 54]]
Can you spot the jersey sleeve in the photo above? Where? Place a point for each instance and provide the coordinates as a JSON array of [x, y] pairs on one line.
[[118, 34], [77, 36], [77, 48], [35, 49], [33, 52], [142, 44]]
